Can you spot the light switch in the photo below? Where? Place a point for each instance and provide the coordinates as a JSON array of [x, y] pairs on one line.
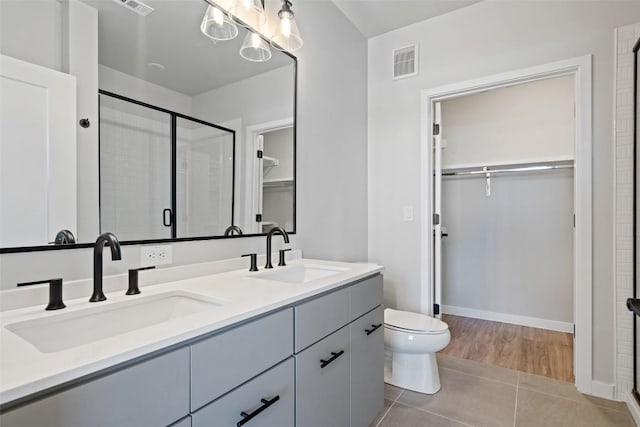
[[407, 213]]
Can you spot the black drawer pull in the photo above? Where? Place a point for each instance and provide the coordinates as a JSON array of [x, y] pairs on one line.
[[265, 404], [373, 328], [334, 356]]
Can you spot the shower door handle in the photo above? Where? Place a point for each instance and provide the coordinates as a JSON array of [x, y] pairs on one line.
[[167, 220]]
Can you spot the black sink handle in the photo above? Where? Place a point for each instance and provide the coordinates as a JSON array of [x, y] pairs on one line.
[[373, 329], [246, 417], [334, 356]]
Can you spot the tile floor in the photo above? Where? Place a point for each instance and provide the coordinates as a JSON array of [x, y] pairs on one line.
[[476, 394]]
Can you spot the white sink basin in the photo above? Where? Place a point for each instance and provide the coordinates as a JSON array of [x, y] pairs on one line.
[[67, 330], [300, 273]]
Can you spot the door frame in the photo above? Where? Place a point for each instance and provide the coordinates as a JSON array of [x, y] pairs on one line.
[[252, 165], [581, 69]]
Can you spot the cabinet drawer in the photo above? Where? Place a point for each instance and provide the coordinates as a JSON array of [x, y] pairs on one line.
[[318, 318], [151, 393], [322, 393], [365, 296], [367, 367], [251, 397], [225, 361]]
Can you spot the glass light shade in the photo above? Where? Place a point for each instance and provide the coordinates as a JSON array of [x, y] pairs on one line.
[[288, 36], [248, 13], [217, 26], [255, 48]]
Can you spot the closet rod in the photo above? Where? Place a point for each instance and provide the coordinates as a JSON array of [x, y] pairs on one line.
[[508, 170]]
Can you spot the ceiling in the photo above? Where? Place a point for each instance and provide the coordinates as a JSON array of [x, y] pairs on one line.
[[375, 17], [171, 36]]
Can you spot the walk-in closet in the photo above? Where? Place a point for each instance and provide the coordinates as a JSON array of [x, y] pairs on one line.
[[507, 218]]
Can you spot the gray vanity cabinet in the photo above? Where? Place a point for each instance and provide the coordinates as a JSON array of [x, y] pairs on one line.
[[266, 401], [224, 361], [367, 364], [322, 384], [151, 393]]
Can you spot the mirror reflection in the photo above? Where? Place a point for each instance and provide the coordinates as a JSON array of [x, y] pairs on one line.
[[149, 129]]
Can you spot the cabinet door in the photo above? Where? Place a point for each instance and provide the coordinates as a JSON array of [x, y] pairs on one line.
[[322, 382], [367, 366], [265, 401], [151, 393]]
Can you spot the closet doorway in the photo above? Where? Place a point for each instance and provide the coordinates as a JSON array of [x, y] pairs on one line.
[[507, 177]]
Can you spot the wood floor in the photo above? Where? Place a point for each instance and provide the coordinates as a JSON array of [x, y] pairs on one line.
[[532, 350]]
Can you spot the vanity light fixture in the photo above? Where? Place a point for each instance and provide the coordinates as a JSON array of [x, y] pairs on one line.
[[255, 48], [217, 26], [288, 36], [248, 12]]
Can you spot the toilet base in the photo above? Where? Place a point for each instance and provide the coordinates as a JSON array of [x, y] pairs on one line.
[[415, 372]]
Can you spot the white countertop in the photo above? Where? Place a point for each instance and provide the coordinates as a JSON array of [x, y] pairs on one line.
[[25, 370]]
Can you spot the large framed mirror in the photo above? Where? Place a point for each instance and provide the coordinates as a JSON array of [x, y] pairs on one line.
[[129, 119]]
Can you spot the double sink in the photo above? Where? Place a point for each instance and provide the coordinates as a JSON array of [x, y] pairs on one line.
[[62, 331]]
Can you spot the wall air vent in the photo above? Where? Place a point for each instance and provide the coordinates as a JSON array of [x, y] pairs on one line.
[[136, 6], [405, 62]]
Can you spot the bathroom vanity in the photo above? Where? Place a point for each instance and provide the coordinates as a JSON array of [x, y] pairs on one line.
[[298, 345]]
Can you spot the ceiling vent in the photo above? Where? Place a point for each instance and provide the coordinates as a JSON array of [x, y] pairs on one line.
[[136, 6], [405, 62]]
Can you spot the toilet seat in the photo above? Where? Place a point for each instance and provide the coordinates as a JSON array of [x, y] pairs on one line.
[[415, 323]]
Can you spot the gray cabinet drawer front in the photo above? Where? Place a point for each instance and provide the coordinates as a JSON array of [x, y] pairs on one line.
[[318, 318], [277, 381], [322, 398], [152, 393], [367, 366], [225, 361], [365, 296]]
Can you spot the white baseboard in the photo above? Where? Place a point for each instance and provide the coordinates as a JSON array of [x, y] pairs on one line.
[[634, 408], [515, 319], [603, 390]]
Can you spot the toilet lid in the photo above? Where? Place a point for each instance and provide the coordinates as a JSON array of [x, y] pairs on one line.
[[413, 321]]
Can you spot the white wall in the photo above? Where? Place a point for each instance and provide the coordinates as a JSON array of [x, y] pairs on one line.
[[141, 90], [524, 123], [483, 39], [40, 42], [332, 208], [512, 252]]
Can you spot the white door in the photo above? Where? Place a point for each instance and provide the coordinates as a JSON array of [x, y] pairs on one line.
[[37, 153], [437, 210]]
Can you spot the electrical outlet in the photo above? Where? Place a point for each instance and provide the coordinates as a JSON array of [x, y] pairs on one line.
[[156, 255]]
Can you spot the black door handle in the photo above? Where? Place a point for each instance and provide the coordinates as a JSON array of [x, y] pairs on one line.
[[334, 356], [167, 221], [246, 417], [373, 329], [633, 304]]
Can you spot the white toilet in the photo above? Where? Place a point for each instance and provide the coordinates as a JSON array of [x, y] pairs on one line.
[[413, 340]]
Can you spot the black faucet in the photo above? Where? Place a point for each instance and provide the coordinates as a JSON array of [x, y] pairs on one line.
[[104, 239], [274, 230], [230, 229]]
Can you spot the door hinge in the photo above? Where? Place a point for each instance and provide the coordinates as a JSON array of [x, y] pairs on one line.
[[259, 154], [436, 309], [436, 219], [258, 217], [574, 330], [574, 220], [436, 129]]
